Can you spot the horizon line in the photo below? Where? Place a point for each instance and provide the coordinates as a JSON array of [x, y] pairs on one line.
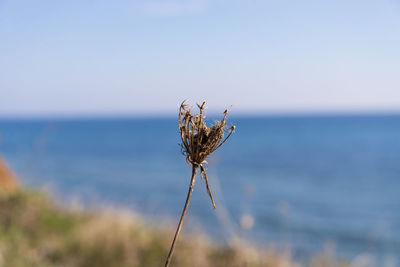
[[240, 114]]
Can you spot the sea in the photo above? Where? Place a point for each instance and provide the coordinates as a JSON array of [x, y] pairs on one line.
[[301, 183]]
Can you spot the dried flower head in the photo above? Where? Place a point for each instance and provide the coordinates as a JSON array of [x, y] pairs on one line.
[[198, 140]]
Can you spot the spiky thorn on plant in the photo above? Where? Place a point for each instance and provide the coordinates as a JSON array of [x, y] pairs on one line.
[[198, 142]]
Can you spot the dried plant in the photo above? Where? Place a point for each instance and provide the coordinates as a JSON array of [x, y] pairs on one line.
[[198, 142]]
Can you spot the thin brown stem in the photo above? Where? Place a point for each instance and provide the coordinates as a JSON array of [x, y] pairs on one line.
[[204, 174], [231, 131], [178, 230]]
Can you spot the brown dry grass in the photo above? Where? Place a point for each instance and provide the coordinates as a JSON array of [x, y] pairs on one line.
[[34, 232]]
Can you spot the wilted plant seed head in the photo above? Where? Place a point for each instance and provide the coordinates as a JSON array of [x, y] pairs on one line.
[[198, 140]]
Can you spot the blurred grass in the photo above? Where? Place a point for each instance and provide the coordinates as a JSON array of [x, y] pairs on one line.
[[34, 231]]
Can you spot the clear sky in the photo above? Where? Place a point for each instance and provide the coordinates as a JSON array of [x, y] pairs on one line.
[[144, 57]]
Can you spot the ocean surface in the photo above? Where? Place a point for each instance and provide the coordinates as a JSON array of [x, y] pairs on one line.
[[299, 183]]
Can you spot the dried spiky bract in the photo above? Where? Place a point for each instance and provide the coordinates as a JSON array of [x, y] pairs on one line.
[[198, 140]]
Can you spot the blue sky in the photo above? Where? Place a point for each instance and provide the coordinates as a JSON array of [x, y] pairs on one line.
[[144, 57]]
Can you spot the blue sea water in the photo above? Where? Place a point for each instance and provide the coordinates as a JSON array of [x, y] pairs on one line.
[[299, 182]]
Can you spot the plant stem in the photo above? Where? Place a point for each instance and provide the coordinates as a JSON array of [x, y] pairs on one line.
[[178, 230]]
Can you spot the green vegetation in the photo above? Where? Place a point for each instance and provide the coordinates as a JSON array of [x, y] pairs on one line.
[[36, 232]]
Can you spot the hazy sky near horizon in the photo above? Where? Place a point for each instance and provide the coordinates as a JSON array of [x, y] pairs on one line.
[[144, 57]]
